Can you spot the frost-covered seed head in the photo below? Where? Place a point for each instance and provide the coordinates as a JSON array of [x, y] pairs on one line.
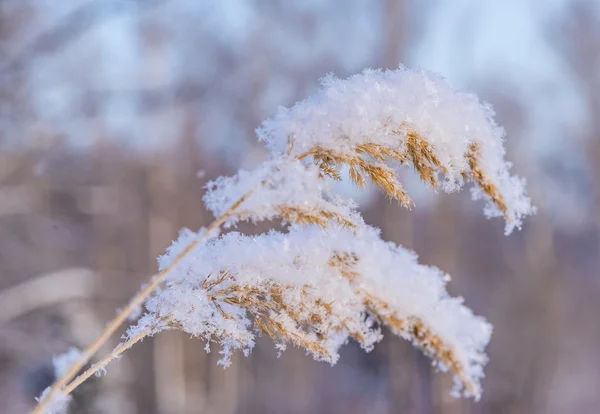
[[327, 277]]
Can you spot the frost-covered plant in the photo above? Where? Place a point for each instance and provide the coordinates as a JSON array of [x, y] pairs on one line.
[[327, 277], [61, 365]]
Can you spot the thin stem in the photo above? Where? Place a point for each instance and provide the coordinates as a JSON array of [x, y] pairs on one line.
[[104, 361], [134, 303]]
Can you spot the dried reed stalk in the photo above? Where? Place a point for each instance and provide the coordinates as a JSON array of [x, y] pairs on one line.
[[122, 316], [367, 160], [266, 303], [313, 319]]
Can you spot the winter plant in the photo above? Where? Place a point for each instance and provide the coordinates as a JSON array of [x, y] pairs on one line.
[[328, 277]]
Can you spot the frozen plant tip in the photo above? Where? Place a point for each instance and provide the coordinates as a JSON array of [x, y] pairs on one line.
[[58, 403], [327, 277]]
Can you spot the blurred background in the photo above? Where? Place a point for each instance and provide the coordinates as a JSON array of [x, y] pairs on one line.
[[114, 113]]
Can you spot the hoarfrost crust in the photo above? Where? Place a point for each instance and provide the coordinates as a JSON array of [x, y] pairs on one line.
[[327, 277], [372, 107], [304, 259]]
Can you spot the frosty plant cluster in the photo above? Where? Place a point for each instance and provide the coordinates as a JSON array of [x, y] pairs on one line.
[[328, 277]]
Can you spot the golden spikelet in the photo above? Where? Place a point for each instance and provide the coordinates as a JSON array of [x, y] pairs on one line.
[[411, 328], [312, 317], [329, 171], [483, 181], [357, 177], [299, 215], [386, 179], [424, 159], [369, 160], [321, 218], [381, 153], [330, 161], [345, 262], [415, 330]]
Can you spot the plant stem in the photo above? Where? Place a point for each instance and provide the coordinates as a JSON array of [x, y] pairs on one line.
[[104, 361], [133, 304]]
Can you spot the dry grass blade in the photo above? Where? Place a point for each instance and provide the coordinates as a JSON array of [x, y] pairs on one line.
[[416, 331], [136, 301], [357, 177], [381, 153], [483, 181], [330, 171], [305, 285], [410, 328], [321, 218], [330, 161], [369, 160], [304, 320], [299, 215], [386, 179], [424, 159]]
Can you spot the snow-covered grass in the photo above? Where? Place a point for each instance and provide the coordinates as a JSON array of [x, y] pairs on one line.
[[327, 277]]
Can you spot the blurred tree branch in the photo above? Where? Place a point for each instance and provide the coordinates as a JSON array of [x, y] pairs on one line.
[[71, 27]]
